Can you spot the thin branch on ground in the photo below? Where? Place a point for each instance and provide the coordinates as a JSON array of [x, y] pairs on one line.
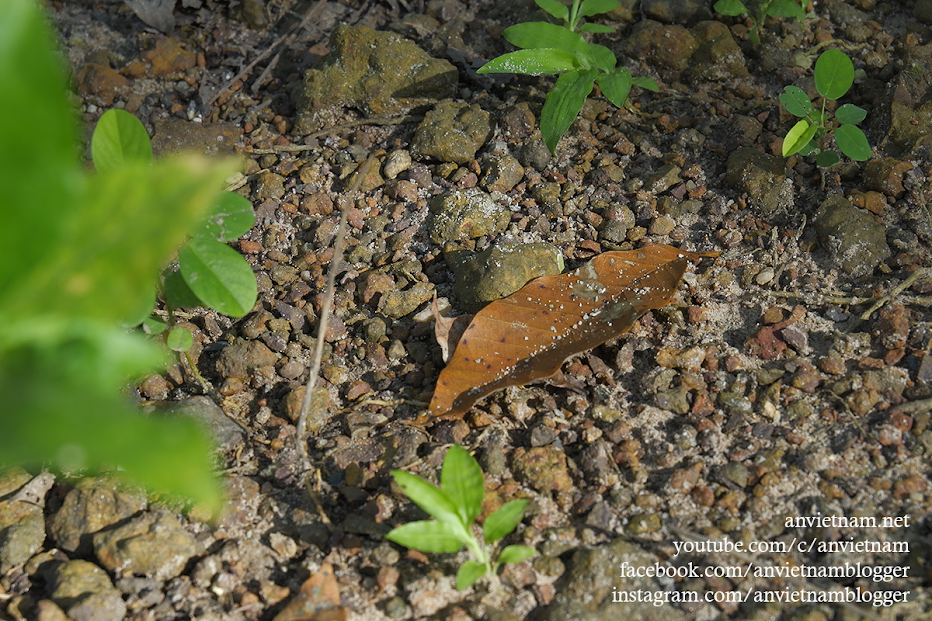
[[324, 318]]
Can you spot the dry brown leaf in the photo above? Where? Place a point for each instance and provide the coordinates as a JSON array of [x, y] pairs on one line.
[[529, 334], [318, 600]]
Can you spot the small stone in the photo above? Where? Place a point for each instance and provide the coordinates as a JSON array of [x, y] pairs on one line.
[[397, 304], [761, 176], [380, 73], [319, 414], [242, 357], [268, 185], [543, 468], [885, 175], [502, 174], [283, 274], [665, 47], [93, 504], [224, 430], [452, 132], [501, 270], [717, 55], [84, 591], [100, 81], [856, 242], [396, 163], [465, 214], [662, 225], [737, 473], [357, 390], [665, 178], [644, 524], [153, 544]]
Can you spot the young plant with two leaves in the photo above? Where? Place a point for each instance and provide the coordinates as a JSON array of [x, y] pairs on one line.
[[834, 75], [454, 507], [552, 49], [210, 273]]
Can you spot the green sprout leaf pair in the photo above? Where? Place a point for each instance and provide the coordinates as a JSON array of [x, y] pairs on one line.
[[212, 273], [834, 75], [551, 49], [767, 8], [454, 507]]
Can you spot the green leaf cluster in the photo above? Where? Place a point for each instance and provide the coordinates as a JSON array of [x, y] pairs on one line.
[[551, 49], [454, 507], [834, 75], [212, 273], [766, 8], [78, 255]]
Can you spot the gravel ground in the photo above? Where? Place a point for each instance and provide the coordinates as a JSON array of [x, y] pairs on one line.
[[789, 380]]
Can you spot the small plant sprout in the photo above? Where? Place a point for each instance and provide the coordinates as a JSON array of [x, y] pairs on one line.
[[834, 74], [455, 506], [766, 8], [210, 273], [549, 48]]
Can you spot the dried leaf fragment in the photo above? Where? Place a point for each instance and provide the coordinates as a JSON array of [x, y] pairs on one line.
[[318, 600], [529, 334]]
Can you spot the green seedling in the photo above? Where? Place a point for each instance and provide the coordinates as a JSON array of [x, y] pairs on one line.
[[212, 274], [834, 74], [79, 253], [454, 507], [765, 9], [551, 49]]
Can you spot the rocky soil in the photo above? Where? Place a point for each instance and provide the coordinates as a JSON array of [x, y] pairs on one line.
[[790, 377]]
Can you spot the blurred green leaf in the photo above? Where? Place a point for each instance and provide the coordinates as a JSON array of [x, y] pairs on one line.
[[177, 292], [119, 139], [118, 233], [531, 62], [796, 102], [537, 35], [798, 137], [50, 416], [555, 8], [231, 216], [179, 339], [616, 85], [834, 74], [731, 8], [154, 325], [468, 573], [462, 482], [504, 520], [219, 276], [849, 114], [516, 554], [426, 536], [853, 143], [39, 170], [596, 7], [563, 103]]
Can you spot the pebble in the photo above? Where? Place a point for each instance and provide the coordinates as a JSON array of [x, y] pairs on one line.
[[854, 240], [465, 214], [93, 504], [543, 468], [153, 544], [501, 270], [85, 592], [452, 132]]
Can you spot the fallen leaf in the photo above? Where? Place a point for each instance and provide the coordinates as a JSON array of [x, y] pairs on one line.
[[448, 330], [528, 335], [318, 600]]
